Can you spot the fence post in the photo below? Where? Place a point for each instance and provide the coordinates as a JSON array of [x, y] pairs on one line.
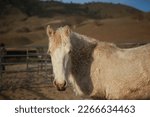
[[1, 67], [27, 58], [46, 65]]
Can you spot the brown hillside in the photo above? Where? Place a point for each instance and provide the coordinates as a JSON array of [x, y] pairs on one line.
[[117, 30], [106, 22]]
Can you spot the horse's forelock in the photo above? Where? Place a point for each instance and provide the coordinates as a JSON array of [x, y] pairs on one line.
[[58, 38]]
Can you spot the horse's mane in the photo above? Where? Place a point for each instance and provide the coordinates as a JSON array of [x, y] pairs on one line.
[[83, 37], [82, 41]]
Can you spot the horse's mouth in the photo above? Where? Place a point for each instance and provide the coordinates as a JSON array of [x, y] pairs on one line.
[[61, 89]]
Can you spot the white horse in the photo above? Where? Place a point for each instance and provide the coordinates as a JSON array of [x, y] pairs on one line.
[[98, 69]]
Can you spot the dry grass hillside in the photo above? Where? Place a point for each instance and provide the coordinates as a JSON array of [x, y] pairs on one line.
[[117, 30], [106, 22]]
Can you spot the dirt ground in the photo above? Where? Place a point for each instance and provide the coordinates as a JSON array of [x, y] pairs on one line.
[[32, 85]]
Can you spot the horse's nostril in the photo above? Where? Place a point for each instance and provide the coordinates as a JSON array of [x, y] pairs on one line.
[[65, 84]]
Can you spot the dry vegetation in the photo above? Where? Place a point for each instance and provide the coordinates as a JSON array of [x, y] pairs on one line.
[[21, 25]]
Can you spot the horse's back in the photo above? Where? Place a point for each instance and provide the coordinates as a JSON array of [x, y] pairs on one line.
[[122, 73]]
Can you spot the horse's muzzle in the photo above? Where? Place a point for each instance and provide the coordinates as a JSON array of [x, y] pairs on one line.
[[60, 86]]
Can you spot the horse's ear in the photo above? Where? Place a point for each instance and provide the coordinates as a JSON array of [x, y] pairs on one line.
[[50, 31], [67, 30]]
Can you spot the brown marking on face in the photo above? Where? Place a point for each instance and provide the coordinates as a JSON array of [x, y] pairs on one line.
[[56, 41]]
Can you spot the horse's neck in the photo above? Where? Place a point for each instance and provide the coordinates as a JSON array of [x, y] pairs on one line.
[[81, 59], [82, 49]]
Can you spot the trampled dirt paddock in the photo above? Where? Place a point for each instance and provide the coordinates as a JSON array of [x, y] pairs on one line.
[[31, 85]]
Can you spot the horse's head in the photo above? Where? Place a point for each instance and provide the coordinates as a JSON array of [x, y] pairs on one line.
[[59, 49]]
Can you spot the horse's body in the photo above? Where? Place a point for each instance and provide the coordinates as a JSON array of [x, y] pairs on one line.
[[102, 70]]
